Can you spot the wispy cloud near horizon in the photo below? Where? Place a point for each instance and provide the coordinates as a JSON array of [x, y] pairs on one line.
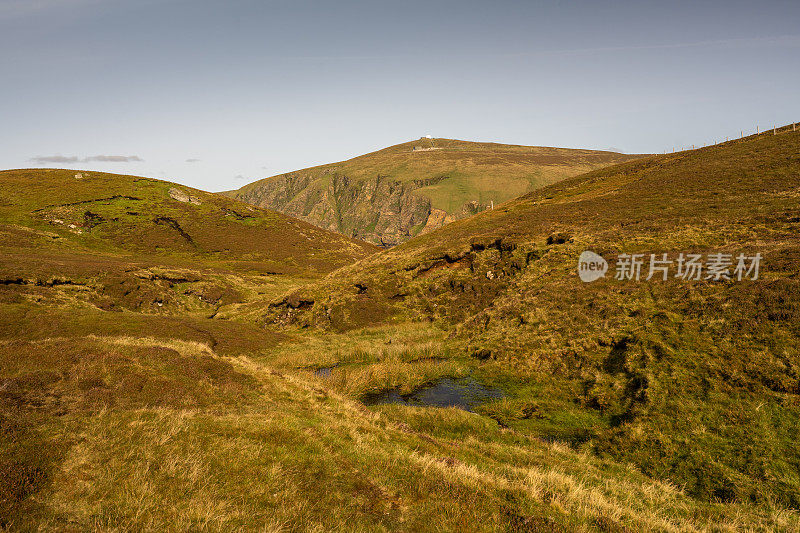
[[53, 159], [45, 159], [231, 80]]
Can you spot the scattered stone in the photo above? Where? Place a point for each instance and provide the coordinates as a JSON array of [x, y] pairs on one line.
[[78, 176], [490, 275], [181, 196], [296, 301]]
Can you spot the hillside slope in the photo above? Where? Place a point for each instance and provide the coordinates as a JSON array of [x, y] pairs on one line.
[[692, 381], [67, 210], [388, 196], [137, 388], [86, 243]]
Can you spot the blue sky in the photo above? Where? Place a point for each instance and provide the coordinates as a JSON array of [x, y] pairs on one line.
[[217, 94]]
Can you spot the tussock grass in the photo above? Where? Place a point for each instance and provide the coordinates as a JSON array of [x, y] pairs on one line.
[[402, 357], [305, 460], [286, 451], [660, 407], [691, 382]]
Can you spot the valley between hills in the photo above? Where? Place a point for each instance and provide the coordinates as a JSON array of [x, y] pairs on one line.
[[172, 356]]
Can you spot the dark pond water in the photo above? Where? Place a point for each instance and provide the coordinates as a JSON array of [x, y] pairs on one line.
[[463, 393], [324, 372]]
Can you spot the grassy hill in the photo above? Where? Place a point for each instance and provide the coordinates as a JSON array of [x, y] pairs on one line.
[[92, 212], [695, 383], [146, 382], [385, 197], [101, 276]]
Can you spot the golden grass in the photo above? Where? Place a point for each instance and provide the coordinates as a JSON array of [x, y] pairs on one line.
[[300, 454], [152, 420], [274, 468]]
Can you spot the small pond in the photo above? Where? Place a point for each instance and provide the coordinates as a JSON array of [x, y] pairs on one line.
[[463, 393], [324, 372]]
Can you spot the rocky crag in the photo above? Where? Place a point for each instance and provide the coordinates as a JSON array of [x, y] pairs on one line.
[[389, 196], [380, 210]]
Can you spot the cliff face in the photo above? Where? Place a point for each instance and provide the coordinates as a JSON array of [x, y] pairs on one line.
[[380, 210], [387, 197]]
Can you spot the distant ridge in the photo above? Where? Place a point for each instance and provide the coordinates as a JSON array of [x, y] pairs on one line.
[[388, 196]]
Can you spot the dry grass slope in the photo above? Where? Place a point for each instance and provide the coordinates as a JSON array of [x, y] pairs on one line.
[[140, 388], [55, 212], [692, 382], [135, 433]]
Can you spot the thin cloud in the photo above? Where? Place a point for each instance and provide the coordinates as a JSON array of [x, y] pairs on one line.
[[192, 160], [113, 158], [45, 159], [50, 159], [239, 177]]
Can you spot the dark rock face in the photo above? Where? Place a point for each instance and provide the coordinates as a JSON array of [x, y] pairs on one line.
[[379, 210]]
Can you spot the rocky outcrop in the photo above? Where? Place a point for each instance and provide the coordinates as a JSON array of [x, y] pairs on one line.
[[437, 219], [379, 210], [182, 196], [390, 195]]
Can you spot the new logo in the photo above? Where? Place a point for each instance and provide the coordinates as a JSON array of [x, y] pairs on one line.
[[591, 266]]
